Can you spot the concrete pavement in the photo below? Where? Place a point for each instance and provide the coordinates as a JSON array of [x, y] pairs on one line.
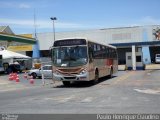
[[127, 92], [7, 85]]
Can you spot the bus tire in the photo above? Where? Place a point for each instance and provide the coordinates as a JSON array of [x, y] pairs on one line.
[[96, 78], [111, 73], [66, 83]]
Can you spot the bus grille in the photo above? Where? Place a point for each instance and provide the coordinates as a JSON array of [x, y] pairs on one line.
[[70, 77], [72, 71]]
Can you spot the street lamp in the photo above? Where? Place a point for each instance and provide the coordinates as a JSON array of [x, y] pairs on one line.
[[53, 18]]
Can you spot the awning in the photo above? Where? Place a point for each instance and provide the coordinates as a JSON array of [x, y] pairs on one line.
[[9, 54], [146, 43], [16, 38]]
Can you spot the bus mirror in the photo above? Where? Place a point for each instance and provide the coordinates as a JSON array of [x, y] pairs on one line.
[[50, 52]]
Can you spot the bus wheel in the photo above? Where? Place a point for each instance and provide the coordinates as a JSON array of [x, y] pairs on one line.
[[66, 83], [96, 78], [111, 73]]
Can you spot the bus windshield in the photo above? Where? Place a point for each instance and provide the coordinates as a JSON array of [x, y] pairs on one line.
[[70, 56]]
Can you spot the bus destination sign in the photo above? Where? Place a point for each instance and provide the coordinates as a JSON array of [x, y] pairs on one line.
[[69, 42]]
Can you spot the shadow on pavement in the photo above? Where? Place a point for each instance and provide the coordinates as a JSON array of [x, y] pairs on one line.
[[83, 84]]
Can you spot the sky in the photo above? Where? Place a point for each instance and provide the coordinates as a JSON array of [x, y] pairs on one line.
[[75, 15]]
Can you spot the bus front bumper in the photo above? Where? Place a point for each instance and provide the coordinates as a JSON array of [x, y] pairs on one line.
[[80, 77]]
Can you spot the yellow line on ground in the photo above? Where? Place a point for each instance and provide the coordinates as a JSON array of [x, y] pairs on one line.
[[13, 88], [4, 83], [124, 77], [9, 86]]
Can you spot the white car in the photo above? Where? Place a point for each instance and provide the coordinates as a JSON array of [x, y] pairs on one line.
[[157, 58], [47, 71]]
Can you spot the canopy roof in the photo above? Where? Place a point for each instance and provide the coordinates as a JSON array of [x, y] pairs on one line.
[[16, 38], [9, 54]]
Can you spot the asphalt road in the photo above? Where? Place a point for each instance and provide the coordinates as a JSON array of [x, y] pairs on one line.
[[127, 92]]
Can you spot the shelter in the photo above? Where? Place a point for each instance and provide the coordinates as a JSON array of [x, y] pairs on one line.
[[9, 57], [13, 55]]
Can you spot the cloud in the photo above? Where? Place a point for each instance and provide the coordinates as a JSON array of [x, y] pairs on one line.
[[4, 4], [24, 5], [16, 22], [150, 20], [143, 21], [147, 20], [44, 24], [47, 25]]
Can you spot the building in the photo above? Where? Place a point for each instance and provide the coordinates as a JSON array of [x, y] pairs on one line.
[[8, 38], [145, 39]]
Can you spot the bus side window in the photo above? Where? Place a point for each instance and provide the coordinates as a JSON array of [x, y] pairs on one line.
[[90, 54], [110, 53], [107, 52]]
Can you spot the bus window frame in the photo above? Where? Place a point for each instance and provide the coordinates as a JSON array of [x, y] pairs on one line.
[[90, 54]]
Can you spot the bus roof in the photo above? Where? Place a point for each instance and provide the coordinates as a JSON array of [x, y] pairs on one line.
[[102, 44], [88, 40]]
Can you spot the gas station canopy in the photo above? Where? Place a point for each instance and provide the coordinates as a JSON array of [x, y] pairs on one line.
[[16, 38], [8, 37]]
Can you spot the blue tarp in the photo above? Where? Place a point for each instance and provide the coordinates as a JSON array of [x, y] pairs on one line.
[[36, 51]]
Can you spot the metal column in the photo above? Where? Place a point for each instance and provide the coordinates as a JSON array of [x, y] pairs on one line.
[[134, 57]]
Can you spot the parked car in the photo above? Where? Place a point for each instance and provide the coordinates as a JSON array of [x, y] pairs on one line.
[[157, 58], [47, 71]]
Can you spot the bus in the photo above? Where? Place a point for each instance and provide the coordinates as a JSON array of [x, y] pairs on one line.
[[78, 59], [1, 64]]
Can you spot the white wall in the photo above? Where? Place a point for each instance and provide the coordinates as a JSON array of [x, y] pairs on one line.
[[110, 35]]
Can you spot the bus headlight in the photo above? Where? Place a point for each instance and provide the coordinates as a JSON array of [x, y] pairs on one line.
[[83, 72]]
